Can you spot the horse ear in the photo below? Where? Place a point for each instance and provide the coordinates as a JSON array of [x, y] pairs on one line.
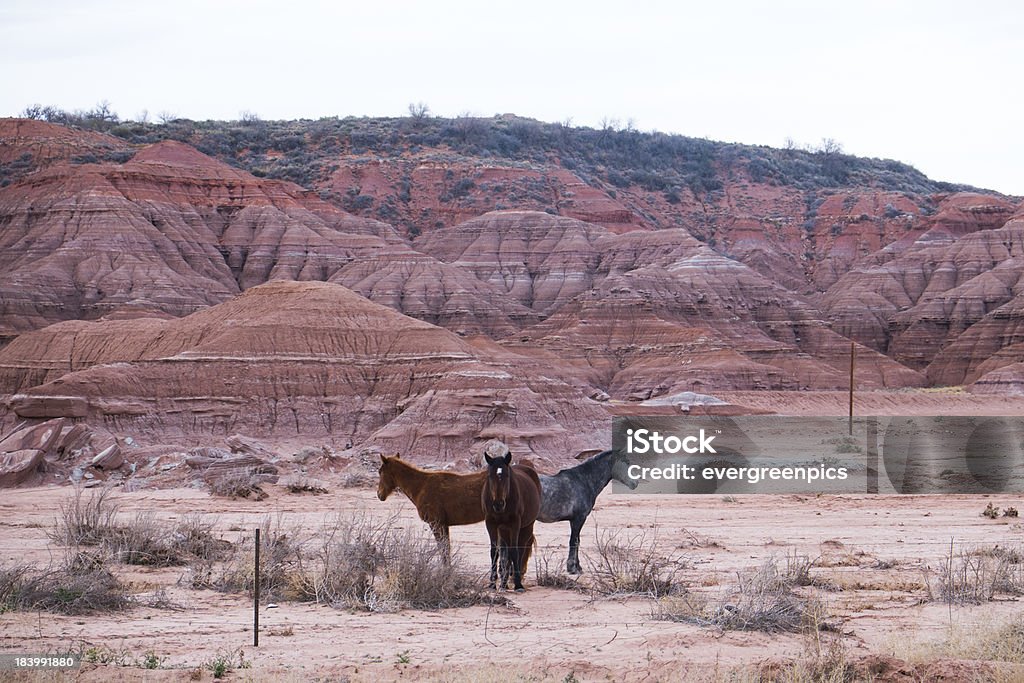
[[508, 458], [488, 459], [384, 459]]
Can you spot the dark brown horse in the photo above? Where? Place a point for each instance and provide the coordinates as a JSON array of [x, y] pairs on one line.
[[511, 501], [443, 499]]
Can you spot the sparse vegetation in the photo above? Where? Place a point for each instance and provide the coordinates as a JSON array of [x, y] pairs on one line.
[[94, 535], [762, 600], [238, 483], [375, 565], [80, 584], [102, 654], [634, 566], [225, 662], [301, 484], [977, 575], [141, 540], [609, 156], [86, 521], [151, 661], [548, 567], [355, 478], [845, 444], [1001, 641], [823, 663], [354, 563], [280, 547], [147, 541]]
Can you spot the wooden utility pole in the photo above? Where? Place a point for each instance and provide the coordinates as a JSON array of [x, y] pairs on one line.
[[853, 356], [256, 595], [871, 426]]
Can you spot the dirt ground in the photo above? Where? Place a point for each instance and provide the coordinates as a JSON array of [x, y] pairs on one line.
[[875, 561], [877, 553]]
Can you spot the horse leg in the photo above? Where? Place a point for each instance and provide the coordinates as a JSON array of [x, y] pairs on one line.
[[504, 550], [513, 565], [444, 543], [493, 533], [572, 565], [528, 551], [524, 544]]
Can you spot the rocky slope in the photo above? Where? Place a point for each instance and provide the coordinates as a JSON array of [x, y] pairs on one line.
[[27, 146], [425, 300], [173, 230], [306, 360], [948, 302], [660, 300]]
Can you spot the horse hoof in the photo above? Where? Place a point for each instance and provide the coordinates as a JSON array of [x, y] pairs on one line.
[[575, 570], [520, 589]]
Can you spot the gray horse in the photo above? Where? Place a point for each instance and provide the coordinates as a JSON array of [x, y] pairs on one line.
[[570, 495]]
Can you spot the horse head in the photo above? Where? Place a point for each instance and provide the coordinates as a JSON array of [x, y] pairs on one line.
[[499, 481], [620, 470], [387, 484]]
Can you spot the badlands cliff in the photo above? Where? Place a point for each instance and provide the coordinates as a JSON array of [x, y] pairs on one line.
[[423, 294]]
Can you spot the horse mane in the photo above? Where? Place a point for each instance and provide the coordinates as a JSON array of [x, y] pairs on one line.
[[409, 466], [590, 463]]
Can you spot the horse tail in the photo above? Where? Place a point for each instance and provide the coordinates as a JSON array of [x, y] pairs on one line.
[[528, 552]]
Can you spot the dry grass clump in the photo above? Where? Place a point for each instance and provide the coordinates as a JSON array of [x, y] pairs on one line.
[[79, 585], [633, 566], [85, 521], [412, 574], [300, 484], [797, 571], [280, 547], [340, 571], [94, 534], [238, 483], [548, 568], [194, 535], [977, 575], [141, 540], [761, 600], [354, 562], [376, 565], [828, 664], [226, 661], [357, 478], [145, 540], [992, 642]]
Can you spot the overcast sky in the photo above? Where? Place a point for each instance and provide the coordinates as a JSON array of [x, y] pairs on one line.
[[934, 84]]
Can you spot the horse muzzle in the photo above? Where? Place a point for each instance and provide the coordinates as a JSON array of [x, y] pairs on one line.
[[498, 506]]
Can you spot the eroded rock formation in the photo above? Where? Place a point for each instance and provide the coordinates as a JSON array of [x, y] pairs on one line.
[[154, 290]]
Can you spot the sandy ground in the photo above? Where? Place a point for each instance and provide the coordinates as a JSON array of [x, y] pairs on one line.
[[546, 633]]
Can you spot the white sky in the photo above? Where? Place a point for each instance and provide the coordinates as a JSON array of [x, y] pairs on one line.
[[934, 84]]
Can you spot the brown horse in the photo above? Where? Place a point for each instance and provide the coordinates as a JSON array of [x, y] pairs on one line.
[[443, 499], [510, 501]]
